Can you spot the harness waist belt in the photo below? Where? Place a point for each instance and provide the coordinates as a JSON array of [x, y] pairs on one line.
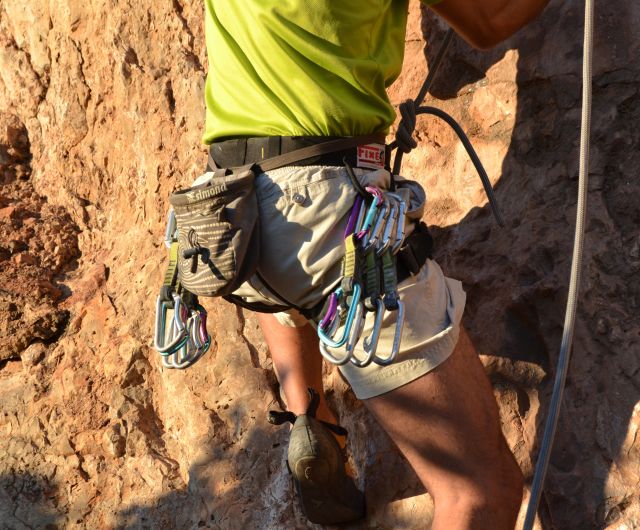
[[270, 152]]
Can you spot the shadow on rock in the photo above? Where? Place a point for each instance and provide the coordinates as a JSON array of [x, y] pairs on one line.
[[246, 484], [28, 501], [517, 278]]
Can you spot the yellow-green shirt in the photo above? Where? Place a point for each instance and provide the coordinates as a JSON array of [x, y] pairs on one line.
[[301, 68]]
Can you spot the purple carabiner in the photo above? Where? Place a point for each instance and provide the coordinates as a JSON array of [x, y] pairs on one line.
[[353, 217], [330, 314], [204, 335]]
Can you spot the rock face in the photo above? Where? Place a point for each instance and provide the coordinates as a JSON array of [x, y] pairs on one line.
[[100, 117]]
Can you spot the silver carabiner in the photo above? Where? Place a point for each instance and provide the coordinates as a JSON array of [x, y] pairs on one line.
[[193, 325], [177, 313], [397, 337], [400, 232], [371, 237], [175, 336], [170, 232], [168, 359], [200, 339], [189, 352], [388, 229], [370, 343]]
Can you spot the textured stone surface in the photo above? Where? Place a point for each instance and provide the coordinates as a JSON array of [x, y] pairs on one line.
[[100, 117]]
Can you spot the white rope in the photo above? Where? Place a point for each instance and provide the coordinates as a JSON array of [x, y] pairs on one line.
[[574, 283]]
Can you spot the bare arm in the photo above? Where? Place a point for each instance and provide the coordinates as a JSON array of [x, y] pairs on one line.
[[485, 23]]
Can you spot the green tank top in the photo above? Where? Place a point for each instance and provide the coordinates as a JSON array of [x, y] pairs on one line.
[[296, 68]]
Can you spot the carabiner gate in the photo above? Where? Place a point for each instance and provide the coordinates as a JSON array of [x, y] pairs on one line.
[[370, 343], [397, 337]]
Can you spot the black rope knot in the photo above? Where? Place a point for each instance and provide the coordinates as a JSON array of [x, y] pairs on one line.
[[404, 135]]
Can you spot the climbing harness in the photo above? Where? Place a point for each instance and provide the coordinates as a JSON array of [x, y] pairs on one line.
[[574, 281], [212, 236], [180, 336]]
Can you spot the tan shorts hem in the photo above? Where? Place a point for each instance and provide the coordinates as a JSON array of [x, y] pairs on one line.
[[434, 307], [291, 318], [402, 372]]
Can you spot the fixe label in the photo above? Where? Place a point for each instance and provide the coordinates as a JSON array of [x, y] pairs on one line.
[[371, 156]]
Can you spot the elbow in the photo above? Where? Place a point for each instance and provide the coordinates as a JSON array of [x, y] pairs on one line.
[[497, 26], [485, 42], [485, 27], [490, 34]]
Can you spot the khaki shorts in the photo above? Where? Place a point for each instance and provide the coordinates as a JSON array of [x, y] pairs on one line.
[[303, 214]]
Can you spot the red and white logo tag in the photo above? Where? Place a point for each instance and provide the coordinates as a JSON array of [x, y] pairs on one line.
[[371, 156]]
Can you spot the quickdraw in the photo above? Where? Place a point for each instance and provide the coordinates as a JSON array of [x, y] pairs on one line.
[[181, 336], [374, 233]]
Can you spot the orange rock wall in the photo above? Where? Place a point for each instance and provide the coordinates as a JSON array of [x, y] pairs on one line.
[[101, 112]]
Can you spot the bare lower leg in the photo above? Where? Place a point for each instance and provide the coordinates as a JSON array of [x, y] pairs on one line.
[[446, 424], [297, 362]]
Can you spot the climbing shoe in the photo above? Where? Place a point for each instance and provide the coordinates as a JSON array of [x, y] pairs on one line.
[[315, 460]]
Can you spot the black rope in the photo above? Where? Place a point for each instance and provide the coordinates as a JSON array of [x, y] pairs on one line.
[[434, 68], [410, 109], [486, 183]]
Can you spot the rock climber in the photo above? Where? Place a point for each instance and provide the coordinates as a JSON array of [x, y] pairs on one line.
[[283, 75]]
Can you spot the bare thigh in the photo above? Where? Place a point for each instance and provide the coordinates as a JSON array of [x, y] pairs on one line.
[[446, 423]]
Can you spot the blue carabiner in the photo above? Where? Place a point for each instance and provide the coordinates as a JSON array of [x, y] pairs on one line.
[[370, 215], [338, 361], [356, 329], [349, 322]]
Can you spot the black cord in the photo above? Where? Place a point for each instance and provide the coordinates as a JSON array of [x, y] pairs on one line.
[[410, 109]]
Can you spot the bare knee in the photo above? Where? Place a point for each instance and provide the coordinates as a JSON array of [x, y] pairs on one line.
[[488, 500]]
